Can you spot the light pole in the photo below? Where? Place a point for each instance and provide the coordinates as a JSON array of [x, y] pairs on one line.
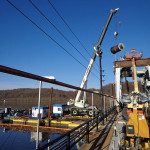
[[39, 115]]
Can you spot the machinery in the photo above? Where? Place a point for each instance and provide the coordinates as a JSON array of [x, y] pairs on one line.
[[137, 134], [122, 70], [82, 105]]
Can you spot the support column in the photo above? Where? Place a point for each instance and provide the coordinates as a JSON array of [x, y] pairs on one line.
[[118, 85]]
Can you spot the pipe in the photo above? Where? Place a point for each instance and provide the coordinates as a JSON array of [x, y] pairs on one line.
[[16, 72], [117, 48]]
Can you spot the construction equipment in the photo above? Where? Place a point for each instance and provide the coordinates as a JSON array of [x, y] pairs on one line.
[[122, 68], [82, 105], [137, 130]]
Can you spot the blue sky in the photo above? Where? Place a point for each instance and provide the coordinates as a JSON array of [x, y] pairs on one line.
[[25, 47]]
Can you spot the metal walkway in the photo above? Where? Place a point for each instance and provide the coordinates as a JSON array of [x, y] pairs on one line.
[[117, 136], [102, 139]]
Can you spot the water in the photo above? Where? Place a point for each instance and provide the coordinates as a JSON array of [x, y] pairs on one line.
[[19, 140]]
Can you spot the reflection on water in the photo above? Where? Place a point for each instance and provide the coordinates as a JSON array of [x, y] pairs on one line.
[[43, 136], [19, 140]]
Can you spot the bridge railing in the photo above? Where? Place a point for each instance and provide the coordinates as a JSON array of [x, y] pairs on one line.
[[16, 72], [72, 137]]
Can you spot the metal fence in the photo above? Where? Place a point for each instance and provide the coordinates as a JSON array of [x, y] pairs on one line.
[[70, 138]]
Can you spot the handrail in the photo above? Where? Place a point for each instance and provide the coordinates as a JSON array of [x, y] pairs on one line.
[[69, 136], [16, 72], [85, 132]]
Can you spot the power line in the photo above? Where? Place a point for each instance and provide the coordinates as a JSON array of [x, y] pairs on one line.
[[59, 31], [70, 29], [47, 35]]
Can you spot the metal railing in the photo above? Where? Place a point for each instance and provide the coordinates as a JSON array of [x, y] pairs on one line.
[[72, 137], [16, 72]]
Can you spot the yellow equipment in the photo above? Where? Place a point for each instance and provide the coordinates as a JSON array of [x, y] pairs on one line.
[[137, 129]]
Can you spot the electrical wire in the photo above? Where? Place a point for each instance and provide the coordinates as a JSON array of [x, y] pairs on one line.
[[59, 31], [48, 36], [70, 29]]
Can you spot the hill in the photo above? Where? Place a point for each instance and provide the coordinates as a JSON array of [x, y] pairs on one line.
[[26, 98]]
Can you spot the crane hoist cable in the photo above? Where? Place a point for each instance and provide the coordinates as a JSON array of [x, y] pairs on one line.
[[116, 26]]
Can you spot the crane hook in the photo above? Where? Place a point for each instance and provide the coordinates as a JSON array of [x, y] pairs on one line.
[[116, 34]]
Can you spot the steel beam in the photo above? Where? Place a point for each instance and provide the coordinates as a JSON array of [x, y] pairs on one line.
[[128, 63], [16, 72]]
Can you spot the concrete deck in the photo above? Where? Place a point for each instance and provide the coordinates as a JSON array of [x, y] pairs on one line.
[[115, 141]]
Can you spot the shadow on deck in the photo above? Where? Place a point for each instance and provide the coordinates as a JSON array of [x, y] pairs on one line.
[[101, 140]]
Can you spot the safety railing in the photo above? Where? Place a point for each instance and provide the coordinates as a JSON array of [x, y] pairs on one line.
[[16, 72], [72, 137]]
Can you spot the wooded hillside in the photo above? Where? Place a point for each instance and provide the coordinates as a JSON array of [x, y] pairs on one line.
[[26, 98]]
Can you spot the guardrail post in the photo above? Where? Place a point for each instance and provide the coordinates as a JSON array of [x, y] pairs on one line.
[[87, 134], [68, 141]]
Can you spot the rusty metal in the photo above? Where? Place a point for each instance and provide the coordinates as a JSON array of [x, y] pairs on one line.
[[134, 54], [16, 72], [117, 48], [128, 63], [50, 103]]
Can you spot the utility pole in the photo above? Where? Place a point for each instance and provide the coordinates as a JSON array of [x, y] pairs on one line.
[[101, 86]]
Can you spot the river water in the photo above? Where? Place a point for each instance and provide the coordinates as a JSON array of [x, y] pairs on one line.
[[19, 140]]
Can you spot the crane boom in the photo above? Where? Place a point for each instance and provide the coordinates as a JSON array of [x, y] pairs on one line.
[[85, 78], [112, 12], [96, 52], [82, 103]]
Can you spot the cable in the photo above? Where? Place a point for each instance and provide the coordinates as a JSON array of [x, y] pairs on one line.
[[59, 31], [70, 29], [48, 35]]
